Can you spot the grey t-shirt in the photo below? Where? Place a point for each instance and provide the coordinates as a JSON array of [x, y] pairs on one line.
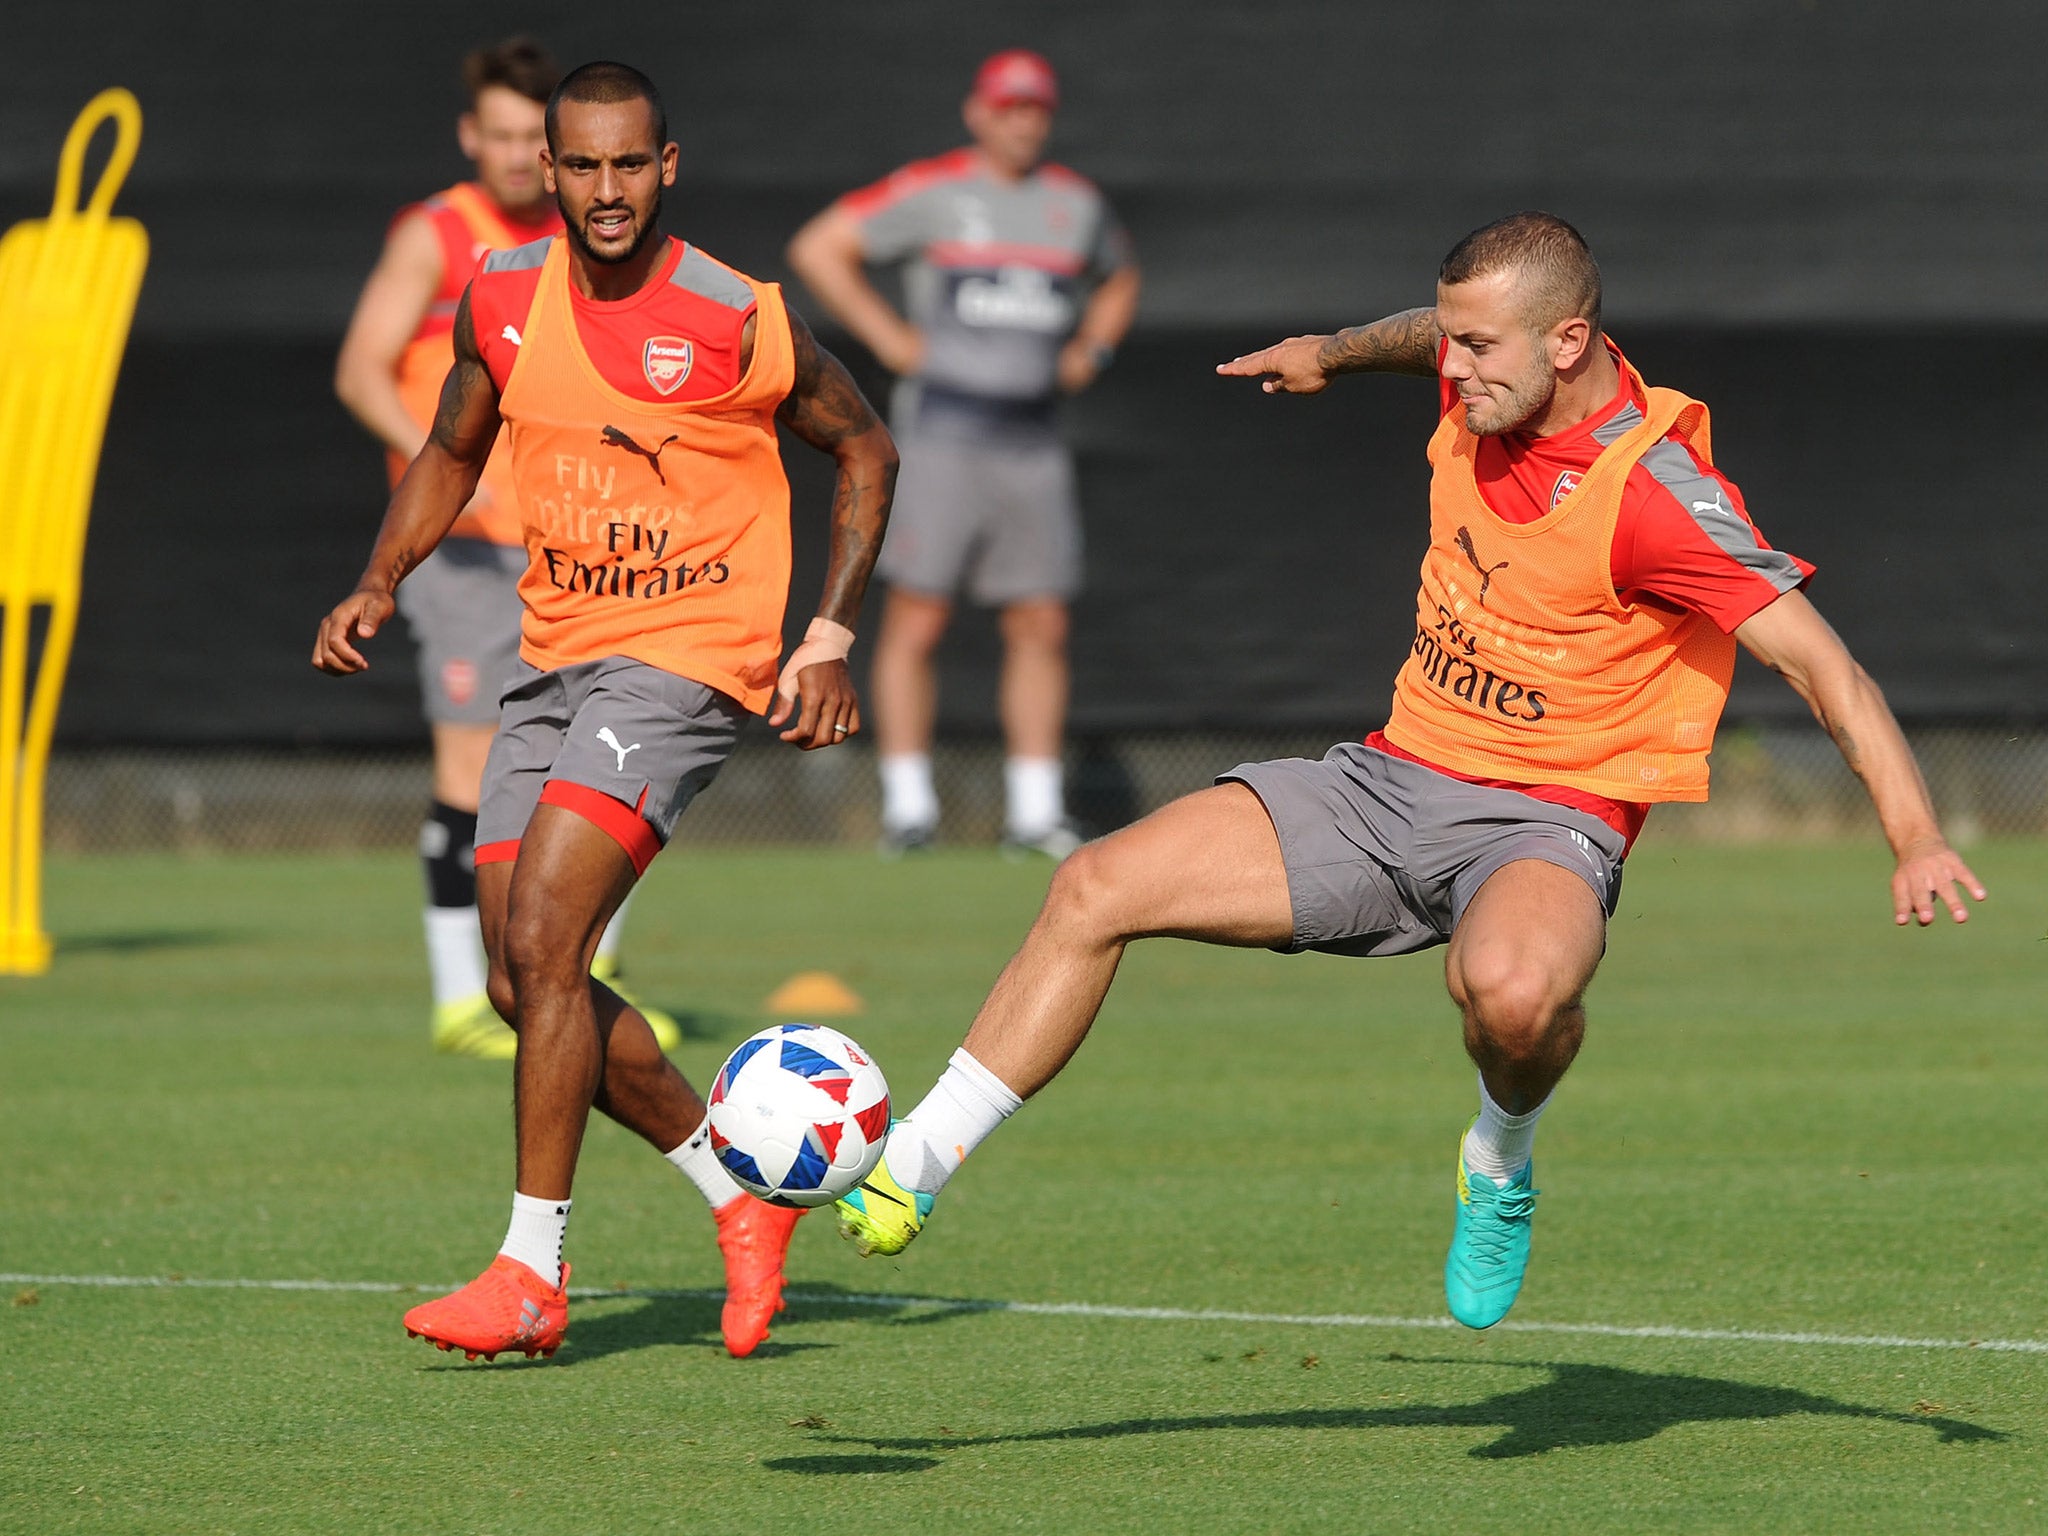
[[995, 274]]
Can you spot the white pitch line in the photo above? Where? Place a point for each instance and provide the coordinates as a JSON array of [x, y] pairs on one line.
[[1093, 1309]]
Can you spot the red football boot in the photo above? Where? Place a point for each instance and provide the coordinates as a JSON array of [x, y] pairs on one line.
[[506, 1307], [753, 1236]]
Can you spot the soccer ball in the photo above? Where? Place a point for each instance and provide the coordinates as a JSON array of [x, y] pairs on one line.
[[798, 1114]]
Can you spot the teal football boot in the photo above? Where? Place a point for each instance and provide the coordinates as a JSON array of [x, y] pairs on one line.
[[1490, 1244]]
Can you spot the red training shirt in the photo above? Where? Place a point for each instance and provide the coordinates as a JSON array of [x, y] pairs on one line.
[[677, 339]]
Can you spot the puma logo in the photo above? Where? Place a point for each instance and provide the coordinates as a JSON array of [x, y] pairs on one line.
[[512, 336], [604, 734], [1713, 507], [1485, 571], [618, 439]]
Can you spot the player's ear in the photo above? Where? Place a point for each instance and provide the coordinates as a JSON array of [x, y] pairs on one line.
[[466, 135], [1568, 342], [547, 168], [670, 155]]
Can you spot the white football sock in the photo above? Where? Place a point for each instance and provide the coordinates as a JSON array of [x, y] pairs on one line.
[[608, 941], [1036, 800], [933, 1140], [455, 954], [695, 1160], [535, 1236], [1499, 1144], [908, 798]]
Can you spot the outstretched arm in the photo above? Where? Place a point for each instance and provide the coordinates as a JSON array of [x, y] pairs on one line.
[[436, 486], [1793, 640], [828, 255], [827, 410], [1303, 365]]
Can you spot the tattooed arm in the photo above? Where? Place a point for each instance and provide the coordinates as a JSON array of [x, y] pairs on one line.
[[827, 410], [1793, 640], [1303, 365], [437, 485]]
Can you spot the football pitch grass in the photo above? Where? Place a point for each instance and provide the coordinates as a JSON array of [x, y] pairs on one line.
[[1796, 1136]]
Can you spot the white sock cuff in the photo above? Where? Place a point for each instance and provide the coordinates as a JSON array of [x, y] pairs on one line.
[[909, 798], [455, 954], [994, 1089], [1506, 1121], [535, 1235], [695, 1161], [1035, 794]]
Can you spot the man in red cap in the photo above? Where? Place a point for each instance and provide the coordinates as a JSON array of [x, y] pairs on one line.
[[1018, 285]]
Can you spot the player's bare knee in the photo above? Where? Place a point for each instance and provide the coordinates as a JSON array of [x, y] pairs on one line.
[[535, 954], [504, 997], [1087, 895], [913, 627], [1513, 1008], [1036, 626]]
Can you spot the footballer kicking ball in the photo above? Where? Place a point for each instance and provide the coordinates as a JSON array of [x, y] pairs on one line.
[[798, 1114]]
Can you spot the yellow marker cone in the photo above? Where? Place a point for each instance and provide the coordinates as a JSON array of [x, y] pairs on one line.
[[813, 995], [67, 294]]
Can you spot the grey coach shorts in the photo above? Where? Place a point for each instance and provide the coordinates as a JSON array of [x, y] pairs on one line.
[[1384, 855], [1001, 520], [644, 737], [462, 604]]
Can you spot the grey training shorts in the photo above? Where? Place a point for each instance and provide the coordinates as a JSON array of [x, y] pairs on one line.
[[646, 739], [1002, 520], [462, 604], [1384, 855]]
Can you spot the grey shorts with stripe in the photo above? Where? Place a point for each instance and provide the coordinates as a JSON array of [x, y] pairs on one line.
[[1001, 520], [636, 733], [462, 605], [1384, 855]]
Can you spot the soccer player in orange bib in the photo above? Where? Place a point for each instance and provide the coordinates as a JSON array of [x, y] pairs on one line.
[[1588, 577], [640, 383], [463, 603]]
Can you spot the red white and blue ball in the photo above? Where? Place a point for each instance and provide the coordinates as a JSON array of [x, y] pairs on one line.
[[798, 1114]]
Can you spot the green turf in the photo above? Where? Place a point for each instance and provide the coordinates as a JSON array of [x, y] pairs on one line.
[[1789, 1116]]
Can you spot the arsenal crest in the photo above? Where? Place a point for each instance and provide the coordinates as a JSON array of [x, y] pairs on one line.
[[667, 360], [1566, 484]]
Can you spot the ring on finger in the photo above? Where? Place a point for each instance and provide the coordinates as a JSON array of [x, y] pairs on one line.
[[839, 730]]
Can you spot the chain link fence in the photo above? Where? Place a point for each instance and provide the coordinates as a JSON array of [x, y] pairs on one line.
[[1769, 782]]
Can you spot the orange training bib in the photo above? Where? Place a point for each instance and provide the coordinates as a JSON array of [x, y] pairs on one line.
[[423, 365], [658, 532], [1527, 667]]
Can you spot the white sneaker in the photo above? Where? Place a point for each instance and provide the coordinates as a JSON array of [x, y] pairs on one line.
[[1055, 842], [895, 842]]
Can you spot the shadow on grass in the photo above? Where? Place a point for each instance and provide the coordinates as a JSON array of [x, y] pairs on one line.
[[849, 1466], [691, 1318], [1573, 1406], [142, 941]]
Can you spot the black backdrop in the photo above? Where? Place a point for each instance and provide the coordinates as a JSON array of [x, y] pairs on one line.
[[1827, 219]]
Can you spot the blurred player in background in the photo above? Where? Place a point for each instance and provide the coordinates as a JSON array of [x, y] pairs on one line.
[[463, 602], [1588, 577], [1001, 251], [640, 383]]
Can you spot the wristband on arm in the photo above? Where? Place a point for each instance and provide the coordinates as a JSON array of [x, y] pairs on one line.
[[823, 641]]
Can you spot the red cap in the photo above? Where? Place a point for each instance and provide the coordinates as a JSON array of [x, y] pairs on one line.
[[1014, 75]]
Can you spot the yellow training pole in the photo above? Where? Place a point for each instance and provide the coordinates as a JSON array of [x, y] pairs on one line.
[[67, 294]]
